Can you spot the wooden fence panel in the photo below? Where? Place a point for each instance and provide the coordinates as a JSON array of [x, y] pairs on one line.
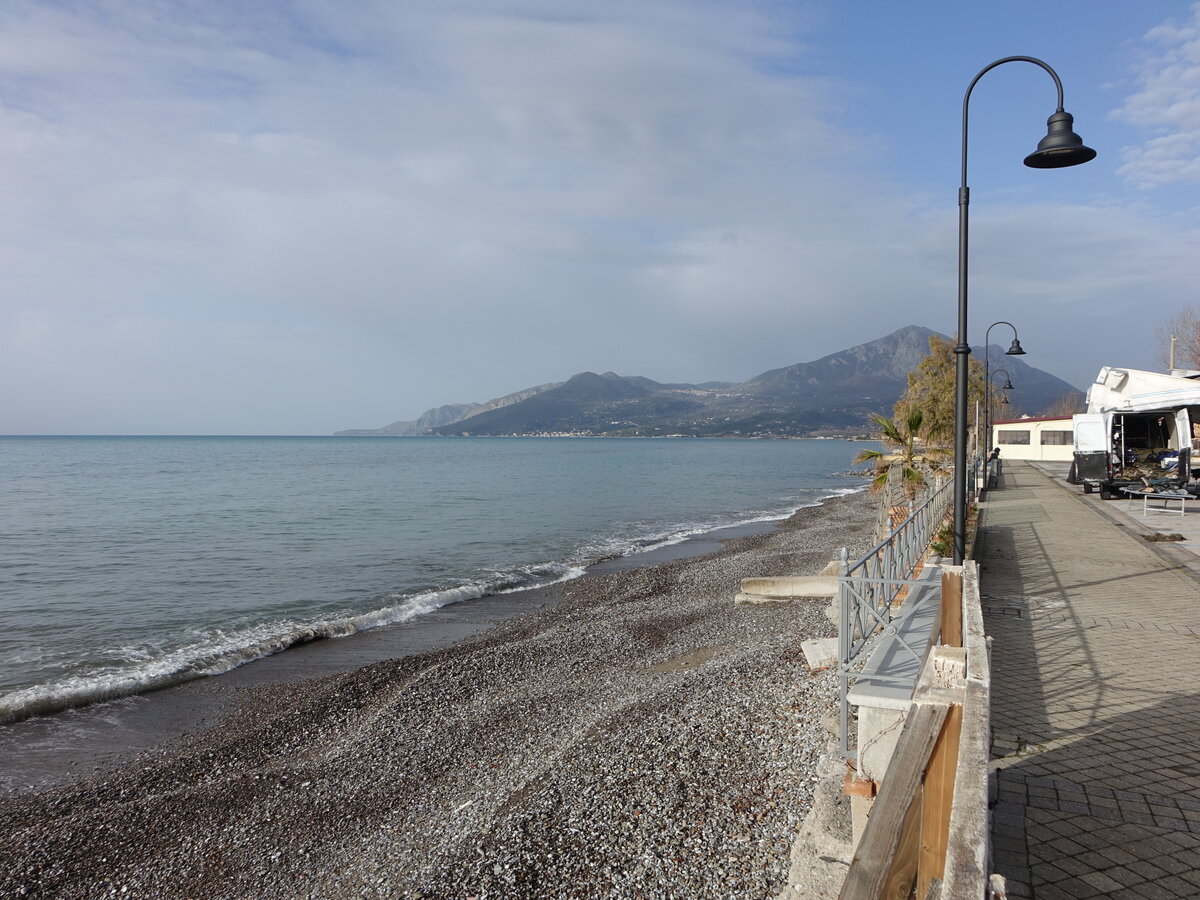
[[939, 795], [877, 849]]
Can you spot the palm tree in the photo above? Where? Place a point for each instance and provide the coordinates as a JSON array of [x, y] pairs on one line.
[[909, 450]]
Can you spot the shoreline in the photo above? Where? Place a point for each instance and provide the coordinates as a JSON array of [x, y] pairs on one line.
[[48, 749], [263, 640], [633, 710]]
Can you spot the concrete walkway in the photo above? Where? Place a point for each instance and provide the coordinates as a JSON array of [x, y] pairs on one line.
[[1095, 694]]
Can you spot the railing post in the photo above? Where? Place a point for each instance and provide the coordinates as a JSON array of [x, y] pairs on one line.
[[951, 609], [845, 646]]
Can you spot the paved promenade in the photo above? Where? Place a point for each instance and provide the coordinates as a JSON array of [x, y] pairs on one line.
[[1095, 693]]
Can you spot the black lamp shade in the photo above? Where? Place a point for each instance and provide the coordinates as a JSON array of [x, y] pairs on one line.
[[1015, 349], [1007, 386], [1061, 147]]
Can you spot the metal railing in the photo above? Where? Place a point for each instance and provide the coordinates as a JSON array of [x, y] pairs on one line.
[[868, 590]]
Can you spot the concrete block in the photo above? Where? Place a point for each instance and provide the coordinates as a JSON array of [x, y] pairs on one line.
[[878, 733], [758, 599], [820, 653], [789, 586], [833, 613], [860, 811]]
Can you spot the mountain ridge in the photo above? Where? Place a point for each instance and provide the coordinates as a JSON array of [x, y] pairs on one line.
[[831, 396]]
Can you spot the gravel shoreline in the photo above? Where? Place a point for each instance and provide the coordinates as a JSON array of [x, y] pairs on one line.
[[642, 738]]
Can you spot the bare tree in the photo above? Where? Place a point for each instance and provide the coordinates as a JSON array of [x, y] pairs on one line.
[[1185, 329], [1067, 405]]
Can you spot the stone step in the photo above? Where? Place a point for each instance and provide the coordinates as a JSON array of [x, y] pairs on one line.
[[787, 587]]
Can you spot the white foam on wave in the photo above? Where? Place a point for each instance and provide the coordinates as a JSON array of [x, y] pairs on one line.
[[625, 547], [568, 573], [216, 652]]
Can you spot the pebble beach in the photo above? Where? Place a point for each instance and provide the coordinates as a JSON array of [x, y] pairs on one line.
[[639, 737]]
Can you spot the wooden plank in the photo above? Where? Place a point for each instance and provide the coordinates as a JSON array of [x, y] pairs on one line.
[[880, 839], [952, 592], [907, 862], [939, 795]]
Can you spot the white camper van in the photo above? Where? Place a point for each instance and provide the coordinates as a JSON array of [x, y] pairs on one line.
[[1137, 431]]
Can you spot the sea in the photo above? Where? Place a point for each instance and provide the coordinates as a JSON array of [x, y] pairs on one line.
[[131, 564]]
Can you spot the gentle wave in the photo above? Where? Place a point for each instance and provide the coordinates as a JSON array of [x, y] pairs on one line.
[[215, 654], [220, 651]]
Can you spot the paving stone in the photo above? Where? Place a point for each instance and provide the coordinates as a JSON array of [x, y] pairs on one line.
[[1170, 864], [1178, 885], [1170, 822], [1120, 855], [1124, 876], [1147, 869], [1078, 888], [1066, 847], [1101, 882], [1154, 891], [1074, 866], [1192, 877], [1094, 861]]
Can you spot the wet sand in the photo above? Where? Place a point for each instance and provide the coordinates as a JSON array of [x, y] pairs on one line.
[[631, 733]]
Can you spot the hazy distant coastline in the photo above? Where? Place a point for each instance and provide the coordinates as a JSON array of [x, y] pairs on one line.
[[830, 397]]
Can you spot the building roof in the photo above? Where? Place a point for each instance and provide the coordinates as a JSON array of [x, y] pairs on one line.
[[1027, 419]]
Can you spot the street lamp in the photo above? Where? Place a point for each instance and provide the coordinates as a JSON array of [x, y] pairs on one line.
[[1015, 349], [987, 400], [1060, 147]]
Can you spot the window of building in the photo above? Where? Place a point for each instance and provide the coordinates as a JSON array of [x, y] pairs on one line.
[[1058, 437], [1012, 437]]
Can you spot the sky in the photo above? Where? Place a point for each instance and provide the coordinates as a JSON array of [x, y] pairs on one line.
[[296, 218]]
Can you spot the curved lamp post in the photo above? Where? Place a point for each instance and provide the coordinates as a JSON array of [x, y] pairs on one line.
[[987, 400], [1015, 349], [1059, 148]]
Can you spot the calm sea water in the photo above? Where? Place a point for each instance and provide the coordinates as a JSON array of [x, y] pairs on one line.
[[128, 564]]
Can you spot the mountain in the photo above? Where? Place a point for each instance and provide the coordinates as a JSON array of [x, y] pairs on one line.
[[834, 395], [586, 403], [866, 375], [443, 415]]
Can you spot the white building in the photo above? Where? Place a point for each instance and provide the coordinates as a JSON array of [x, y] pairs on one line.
[[1044, 439]]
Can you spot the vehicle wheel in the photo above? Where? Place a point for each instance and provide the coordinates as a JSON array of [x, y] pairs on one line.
[[1106, 493], [1087, 488]]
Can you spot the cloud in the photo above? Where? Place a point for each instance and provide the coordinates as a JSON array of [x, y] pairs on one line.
[[473, 181], [1167, 103]]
